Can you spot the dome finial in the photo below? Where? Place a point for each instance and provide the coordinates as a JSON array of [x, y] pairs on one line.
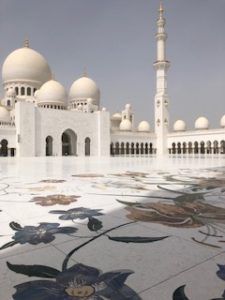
[[26, 43], [85, 74], [161, 8]]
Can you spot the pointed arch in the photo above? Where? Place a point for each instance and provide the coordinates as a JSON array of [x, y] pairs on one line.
[[49, 146], [222, 147], [127, 148], [69, 142], [117, 148], [196, 147], [87, 146], [202, 147], [122, 148]]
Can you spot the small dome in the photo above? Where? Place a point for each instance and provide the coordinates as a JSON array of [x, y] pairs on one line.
[[84, 88], [116, 116], [222, 122], [126, 125], [128, 106], [26, 64], [10, 93], [89, 101], [4, 114], [51, 92], [36, 93], [179, 125], [143, 126], [201, 123]]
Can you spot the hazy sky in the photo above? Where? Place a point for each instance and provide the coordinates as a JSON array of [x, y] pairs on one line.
[[114, 40]]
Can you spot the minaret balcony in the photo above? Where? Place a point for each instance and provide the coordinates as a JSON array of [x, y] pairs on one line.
[[161, 36], [165, 64]]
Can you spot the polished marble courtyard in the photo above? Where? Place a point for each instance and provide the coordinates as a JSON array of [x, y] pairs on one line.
[[112, 228]]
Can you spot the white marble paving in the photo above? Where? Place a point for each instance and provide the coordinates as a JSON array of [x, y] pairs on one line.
[[148, 186]]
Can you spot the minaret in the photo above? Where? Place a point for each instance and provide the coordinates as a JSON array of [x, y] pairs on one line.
[[161, 97]]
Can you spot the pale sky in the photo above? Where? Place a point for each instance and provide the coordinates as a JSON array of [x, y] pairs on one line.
[[114, 40]]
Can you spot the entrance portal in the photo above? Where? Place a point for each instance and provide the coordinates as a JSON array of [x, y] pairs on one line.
[[69, 143]]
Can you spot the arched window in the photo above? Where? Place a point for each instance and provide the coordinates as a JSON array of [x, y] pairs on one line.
[[111, 149], [49, 146], [87, 146], [208, 147], [184, 148], [173, 148], [22, 91], [122, 149], [195, 147], [202, 148], [8, 103], [117, 150], [127, 148], [150, 148], [215, 147], [142, 148], [190, 147], [137, 148], [17, 91], [146, 148], [222, 147], [179, 148], [132, 148], [28, 91]]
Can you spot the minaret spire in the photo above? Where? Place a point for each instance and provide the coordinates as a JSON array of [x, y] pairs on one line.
[[161, 9], [161, 97]]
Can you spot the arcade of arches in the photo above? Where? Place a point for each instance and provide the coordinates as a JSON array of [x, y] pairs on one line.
[[215, 147], [131, 149]]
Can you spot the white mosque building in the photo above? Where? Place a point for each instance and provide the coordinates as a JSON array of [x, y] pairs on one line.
[[39, 118]]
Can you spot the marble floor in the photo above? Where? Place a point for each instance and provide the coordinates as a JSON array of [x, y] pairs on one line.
[[112, 228]]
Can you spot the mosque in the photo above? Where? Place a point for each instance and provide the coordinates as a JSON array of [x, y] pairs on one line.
[[39, 118]]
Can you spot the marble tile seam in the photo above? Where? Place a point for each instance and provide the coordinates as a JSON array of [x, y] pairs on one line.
[[181, 272], [38, 248]]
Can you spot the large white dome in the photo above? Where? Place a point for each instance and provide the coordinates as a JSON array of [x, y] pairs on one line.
[[201, 123], [143, 126], [222, 122], [26, 64], [51, 92], [84, 88], [179, 125], [126, 125], [4, 114]]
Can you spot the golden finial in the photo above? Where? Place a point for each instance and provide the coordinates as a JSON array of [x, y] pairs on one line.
[[161, 9], [85, 74], [26, 43]]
